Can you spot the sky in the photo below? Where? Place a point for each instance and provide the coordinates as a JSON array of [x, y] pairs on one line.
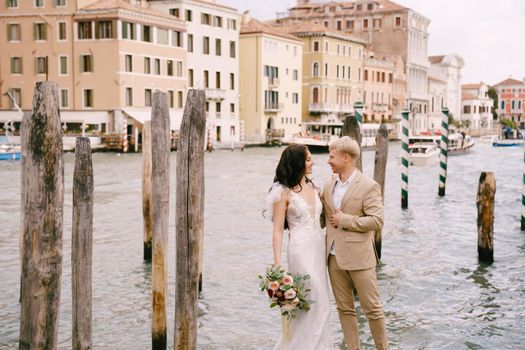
[[488, 34]]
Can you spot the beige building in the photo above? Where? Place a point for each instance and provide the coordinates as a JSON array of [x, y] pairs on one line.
[[271, 96], [437, 89], [389, 28], [107, 56], [332, 70]]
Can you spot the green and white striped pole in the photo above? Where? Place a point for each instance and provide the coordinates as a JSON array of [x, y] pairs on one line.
[[358, 110], [443, 153], [523, 193], [404, 159]]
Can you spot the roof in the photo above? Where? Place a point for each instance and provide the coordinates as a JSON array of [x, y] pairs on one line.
[[255, 27], [436, 59], [311, 29], [510, 81], [384, 6], [471, 86], [124, 5], [467, 96]]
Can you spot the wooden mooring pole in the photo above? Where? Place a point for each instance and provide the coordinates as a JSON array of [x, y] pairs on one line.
[[351, 128], [404, 159], [485, 204], [160, 171], [146, 189], [189, 219], [42, 221], [379, 174], [443, 152], [82, 246]]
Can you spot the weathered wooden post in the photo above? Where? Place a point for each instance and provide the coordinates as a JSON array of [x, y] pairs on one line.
[[443, 152], [352, 128], [485, 204], [146, 189], [404, 159], [379, 173], [189, 222], [23, 156], [160, 170], [42, 221], [82, 245]]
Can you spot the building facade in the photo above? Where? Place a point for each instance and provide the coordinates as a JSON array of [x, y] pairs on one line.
[[332, 70], [476, 107], [107, 56], [511, 100], [271, 98], [212, 43], [378, 87], [448, 68], [437, 89], [388, 27]]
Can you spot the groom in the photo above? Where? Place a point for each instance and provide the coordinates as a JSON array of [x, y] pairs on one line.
[[353, 210]]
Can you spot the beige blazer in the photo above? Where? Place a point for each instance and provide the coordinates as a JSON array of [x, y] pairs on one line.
[[362, 208]]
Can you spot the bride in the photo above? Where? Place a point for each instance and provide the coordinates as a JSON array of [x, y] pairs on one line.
[[293, 203]]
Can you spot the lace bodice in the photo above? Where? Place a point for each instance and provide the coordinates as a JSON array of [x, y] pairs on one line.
[[299, 213]]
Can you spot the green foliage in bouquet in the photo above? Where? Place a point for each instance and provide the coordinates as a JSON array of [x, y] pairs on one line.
[[286, 290]]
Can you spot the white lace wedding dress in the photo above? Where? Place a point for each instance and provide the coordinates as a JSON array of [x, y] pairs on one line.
[[306, 255]]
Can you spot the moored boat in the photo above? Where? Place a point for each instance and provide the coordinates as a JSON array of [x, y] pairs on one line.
[[318, 135]]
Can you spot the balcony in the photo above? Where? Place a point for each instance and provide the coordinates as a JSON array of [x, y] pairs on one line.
[[329, 108], [273, 83], [273, 107], [215, 94]]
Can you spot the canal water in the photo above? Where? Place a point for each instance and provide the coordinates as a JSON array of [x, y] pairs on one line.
[[435, 293]]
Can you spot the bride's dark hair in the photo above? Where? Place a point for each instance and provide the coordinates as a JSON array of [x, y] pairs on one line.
[[292, 166]]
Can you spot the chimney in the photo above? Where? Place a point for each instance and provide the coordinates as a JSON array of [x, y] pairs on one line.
[[302, 2], [246, 17]]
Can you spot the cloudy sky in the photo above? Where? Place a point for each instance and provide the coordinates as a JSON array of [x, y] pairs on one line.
[[488, 34]]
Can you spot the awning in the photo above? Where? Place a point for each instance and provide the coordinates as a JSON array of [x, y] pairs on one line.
[[142, 115], [88, 117]]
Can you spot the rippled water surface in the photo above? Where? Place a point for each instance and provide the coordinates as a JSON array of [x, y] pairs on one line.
[[435, 293]]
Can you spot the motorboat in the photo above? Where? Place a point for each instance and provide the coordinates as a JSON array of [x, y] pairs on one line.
[[318, 135], [8, 151]]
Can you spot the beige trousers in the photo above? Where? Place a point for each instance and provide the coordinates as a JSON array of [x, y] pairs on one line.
[[365, 283]]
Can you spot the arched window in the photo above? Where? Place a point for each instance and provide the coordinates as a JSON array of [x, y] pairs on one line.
[[315, 95], [519, 104], [502, 104], [315, 70]]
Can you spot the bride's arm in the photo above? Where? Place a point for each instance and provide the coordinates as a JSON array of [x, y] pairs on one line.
[[279, 214]]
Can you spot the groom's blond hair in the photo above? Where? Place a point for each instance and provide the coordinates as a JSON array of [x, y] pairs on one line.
[[347, 145]]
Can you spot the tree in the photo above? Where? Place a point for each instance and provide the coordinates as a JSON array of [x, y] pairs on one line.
[[494, 95]]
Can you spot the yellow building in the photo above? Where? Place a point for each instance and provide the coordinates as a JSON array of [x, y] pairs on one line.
[[271, 64], [107, 56], [332, 70]]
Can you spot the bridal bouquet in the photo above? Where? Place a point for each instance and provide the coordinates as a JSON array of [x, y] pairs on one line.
[[285, 290]]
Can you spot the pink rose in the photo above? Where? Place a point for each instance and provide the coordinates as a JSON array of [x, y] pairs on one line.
[[290, 294], [288, 280]]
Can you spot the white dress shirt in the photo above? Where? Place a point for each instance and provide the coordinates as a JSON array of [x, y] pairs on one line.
[[340, 189]]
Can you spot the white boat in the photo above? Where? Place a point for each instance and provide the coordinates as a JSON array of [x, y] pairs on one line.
[[458, 143], [8, 151], [423, 154], [487, 139], [318, 135]]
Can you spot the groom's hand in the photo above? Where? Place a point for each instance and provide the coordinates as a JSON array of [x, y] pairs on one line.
[[335, 218]]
